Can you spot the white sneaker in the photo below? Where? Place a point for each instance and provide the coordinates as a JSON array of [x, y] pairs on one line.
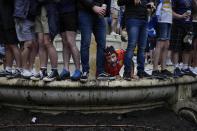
[[194, 70], [26, 74], [113, 33], [33, 72]]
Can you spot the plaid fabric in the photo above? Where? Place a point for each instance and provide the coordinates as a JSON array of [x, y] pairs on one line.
[[114, 71], [195, 29], [177, 35]]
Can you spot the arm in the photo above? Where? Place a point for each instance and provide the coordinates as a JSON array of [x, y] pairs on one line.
[[124, 2], [87, 3]]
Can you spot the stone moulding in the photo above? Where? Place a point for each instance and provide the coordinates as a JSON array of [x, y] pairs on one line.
[[95, 95]]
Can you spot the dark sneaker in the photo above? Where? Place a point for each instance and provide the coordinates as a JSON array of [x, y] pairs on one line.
[[127, 76], [123, 39], [64, 74], [15, 74], [40, 75], [52, 76], [143, 74], [76, 75], [178, 73], [158, 75], [105, 76], [166, 73], [188, 72], [84, 77], [4, 73]]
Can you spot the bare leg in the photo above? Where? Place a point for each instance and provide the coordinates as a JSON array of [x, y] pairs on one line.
[[164, 54], [26, 54], [51, 51], [71, 42], [43, 55], [157, 52], [186, 57], [66, 52], [33, 54], [16, 54], [8, 57]]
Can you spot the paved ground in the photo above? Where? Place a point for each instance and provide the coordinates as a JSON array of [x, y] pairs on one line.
[[160, 118]]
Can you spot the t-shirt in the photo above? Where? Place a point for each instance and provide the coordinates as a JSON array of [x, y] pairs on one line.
[[114, 71], [114, 5], [66, 6], [180, 7], [165, 11]]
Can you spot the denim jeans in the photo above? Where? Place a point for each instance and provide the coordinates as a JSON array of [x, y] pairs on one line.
[[137, 34], [91, 23], [163, 31]]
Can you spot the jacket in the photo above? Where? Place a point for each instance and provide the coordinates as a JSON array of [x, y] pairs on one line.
[[135, 11]]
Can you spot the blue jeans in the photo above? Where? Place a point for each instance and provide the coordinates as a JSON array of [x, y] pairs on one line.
[[164, 31], [137, 34], [90, 23]]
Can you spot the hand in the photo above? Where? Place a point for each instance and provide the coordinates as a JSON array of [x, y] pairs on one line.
[[152, 5], [185, 15], [137, 2], [99, 10]]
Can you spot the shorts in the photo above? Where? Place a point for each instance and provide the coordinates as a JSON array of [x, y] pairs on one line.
[[164, 31], [178, 34], [8, 36], [114, 13], [195, 29], [68, 22], [41, 22], [24, 29]]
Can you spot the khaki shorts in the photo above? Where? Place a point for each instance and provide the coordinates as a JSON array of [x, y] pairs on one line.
[[41, 22], [114, 13]]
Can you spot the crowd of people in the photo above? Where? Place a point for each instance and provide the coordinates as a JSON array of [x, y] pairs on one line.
[[166, 28]]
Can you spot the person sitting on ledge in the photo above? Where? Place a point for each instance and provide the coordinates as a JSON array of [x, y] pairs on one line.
[[114, 60]]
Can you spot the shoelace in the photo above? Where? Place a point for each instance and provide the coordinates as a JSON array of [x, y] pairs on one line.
[[84, 74]]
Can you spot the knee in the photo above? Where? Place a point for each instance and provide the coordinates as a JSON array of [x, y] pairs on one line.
[[28, 45], [48, 44]]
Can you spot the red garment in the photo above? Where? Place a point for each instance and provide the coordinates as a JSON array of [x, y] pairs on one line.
[[114, 70]]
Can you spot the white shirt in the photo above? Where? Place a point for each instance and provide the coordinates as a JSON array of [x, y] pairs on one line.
[[164, 12]]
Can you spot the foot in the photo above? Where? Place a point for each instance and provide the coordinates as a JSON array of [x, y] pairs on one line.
[[26, 74], [15, 74], [105, 76], [127, 76], [76, 75], [84, 77], [178, 73], [188, 72], [40, 75], [52, 76], [65, 74], [158, 75], [166, 73], [143, 74]]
